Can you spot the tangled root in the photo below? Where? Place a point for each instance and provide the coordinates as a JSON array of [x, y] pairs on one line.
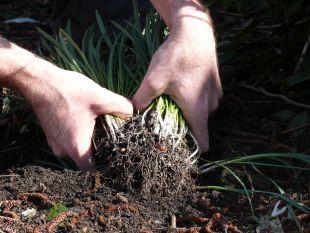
[[138, 160]]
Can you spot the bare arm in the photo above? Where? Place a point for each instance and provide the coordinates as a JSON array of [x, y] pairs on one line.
[[185, 66], [18, 66], [65, 102]]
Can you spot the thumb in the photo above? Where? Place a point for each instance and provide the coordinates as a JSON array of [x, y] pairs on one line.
[[150, 88], [112, 103]]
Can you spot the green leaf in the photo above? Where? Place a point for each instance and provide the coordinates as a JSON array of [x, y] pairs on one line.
[[56, 210], [47, 36], [297, 79], [300, 120], [103, 30], [245, 189]]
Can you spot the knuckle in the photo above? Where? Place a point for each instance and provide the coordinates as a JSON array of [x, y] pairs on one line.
[[151, 84]]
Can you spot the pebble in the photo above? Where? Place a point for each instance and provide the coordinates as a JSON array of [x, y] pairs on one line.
[[29, 213]]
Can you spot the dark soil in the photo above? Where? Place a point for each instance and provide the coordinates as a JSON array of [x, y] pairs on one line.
[[242, 125], [96, 207]]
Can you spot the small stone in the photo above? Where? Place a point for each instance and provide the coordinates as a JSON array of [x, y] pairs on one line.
[[29, 213]]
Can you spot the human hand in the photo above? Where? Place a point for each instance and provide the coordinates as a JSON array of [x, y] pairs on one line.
[[185, 68], [67, 107], [65, 102]]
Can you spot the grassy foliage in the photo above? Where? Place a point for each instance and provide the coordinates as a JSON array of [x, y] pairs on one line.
[[117, 61], [292, 162]]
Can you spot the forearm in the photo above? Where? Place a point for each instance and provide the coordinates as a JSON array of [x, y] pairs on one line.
[[21, 70], [176, 12]]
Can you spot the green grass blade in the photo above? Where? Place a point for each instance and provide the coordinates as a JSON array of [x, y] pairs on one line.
[[294, 203], [246, 191], [103, 30], [47, 36], [213, 165]]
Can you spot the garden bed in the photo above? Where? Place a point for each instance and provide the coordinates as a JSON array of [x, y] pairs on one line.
[[87, 202], [94, 206]]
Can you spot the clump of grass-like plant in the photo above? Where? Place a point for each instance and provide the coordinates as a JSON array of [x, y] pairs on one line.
[[292, 162], [154, 151]]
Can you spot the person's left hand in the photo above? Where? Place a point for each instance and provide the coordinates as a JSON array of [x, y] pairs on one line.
[[185, 68]]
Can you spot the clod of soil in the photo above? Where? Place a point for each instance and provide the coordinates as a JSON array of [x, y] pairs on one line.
[[138, 160]]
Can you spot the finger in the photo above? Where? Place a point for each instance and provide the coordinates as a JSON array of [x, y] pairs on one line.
[[151, 87], [112, 103]]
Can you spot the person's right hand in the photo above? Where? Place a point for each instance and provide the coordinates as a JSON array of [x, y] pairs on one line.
[[65, 102], [67, 106]]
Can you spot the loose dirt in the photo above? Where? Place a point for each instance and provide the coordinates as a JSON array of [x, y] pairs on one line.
[[94, 206]]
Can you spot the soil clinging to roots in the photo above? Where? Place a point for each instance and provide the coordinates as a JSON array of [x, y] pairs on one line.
[[139, 161]]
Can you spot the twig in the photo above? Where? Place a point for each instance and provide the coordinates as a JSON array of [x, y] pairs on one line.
[[278, 96], [50, 227], [6, 176], [180, 219], [10, 214], [9, 204], [302, 55], [38, 197], [173, 222], [250, 180], [294, 129], [123, 206], [189, 230]]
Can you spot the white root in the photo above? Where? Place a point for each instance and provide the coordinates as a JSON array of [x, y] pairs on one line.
[[193, 155], [110, 126]]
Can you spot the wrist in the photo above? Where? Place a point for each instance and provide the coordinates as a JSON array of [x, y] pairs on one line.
[[192, 20], [189, 16], [185, 17], [175, 12]]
